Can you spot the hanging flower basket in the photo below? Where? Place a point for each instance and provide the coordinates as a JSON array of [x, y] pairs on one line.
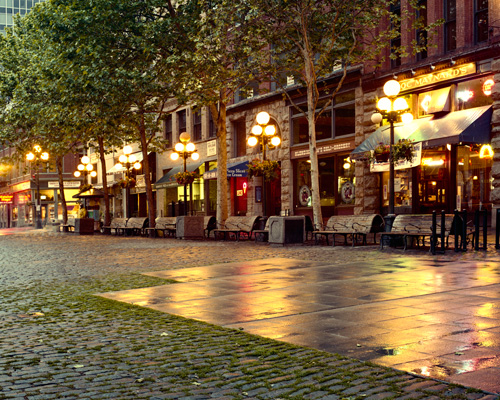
[[185, 178], [381, 153], [269, 169], [403, 150], [124, 183]]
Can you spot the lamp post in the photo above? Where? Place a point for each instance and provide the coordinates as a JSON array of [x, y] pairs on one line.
[[87, 168], [36, 157], [392, 108], [128, 161], [184, 149], [264, 134]]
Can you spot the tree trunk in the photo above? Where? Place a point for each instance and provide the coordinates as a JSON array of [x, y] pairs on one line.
[[147, 176], [61, 189], [313, 150], [105, 189], [219, 117]]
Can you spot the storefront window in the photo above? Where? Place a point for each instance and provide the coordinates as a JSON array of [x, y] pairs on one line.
[[336, 182], [346, 180], [473, 179], [433, 180], [474, 93], [300, 126], [345, 114], [434, 101], [402, 190]]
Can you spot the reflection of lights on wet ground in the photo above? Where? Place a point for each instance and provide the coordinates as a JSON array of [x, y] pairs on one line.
[[425, 371], [486, 310]]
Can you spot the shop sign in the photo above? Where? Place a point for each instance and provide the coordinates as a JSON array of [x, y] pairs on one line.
[[437, 77], [21, 186], [212, 148], [6, 198], [66, 184], [325, 149]]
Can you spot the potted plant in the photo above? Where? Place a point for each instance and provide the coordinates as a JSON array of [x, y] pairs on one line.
[[127, 183], [269, 169], [185, 178], [403, 150], [381, 152]]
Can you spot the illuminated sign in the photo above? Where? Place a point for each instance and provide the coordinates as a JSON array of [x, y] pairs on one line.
[[21, 186], [486, 151], [440, 76], [6, 198], [488, 87], [245, 187]]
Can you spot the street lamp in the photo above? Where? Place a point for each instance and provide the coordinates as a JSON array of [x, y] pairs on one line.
[[36, 157], [392, 108], [87, 168], [128, 161], [184, 149], [264, 134]]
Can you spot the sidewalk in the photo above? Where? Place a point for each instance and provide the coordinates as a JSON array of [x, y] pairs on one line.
[[434, 318], [60, 340]]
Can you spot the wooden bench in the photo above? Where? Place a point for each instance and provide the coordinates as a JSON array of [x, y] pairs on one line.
[[237, 226], [165, 225], [117, 224], [135, 226], [357, 227], [210, 223], [262, 234], [412, 227]]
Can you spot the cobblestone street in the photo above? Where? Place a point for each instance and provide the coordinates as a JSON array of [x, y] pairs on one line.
[[60, 341]]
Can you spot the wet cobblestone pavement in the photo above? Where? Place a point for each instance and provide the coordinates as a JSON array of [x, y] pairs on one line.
[[60, 341]]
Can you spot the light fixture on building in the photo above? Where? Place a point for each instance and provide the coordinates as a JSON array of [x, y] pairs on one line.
[[452, 62], [413, 72], [433, 67], [486, 151]]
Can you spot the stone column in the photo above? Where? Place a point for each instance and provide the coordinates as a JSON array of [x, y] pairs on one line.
[[367, 183], [495, 137]]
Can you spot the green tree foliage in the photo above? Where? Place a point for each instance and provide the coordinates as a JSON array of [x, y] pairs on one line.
[[311, 39]]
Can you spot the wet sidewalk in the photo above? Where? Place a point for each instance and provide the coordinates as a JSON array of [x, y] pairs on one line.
[[437, 318]]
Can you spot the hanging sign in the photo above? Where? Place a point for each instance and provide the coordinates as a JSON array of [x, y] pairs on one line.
[[402, 164]]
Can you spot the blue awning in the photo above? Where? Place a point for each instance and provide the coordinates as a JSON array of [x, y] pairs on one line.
[[466, 126], [234, 170], [168, 180]]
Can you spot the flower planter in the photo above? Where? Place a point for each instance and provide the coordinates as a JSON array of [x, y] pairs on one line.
[[382, 157]]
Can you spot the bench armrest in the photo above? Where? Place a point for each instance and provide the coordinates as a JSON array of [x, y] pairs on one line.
[[357, 223]]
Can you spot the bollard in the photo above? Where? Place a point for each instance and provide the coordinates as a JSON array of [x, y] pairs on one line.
[[434, 235], [477, 228], [456, 219], [443, 229]]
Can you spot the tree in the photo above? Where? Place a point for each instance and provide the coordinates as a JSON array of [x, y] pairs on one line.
[[217, 51], [108, 65], [309, 38]]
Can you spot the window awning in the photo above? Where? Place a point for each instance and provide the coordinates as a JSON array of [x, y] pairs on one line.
[[234, 170], [168, 180], [470, 126]]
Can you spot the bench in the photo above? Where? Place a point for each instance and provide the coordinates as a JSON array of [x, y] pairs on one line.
[[262, 234], [210, 223], [117, 224], [165, 225], [237, 226], [412, 227], [357, 227], [135, 226]]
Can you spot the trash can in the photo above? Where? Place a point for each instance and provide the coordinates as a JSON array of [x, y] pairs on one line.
[[287, 230]]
